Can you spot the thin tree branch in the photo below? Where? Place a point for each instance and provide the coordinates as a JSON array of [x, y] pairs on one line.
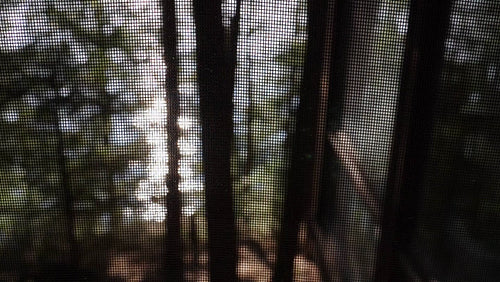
[[65, 180], [348, 156]]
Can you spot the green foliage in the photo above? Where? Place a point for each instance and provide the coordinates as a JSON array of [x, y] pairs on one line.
[[57, 101], [265, 99]]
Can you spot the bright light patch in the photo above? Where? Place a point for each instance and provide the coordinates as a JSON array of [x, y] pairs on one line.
[[13, 28], [154, 212]]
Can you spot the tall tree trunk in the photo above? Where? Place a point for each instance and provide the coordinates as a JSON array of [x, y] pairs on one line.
[[309, 140], [216, 82], [427, 29], [174, 265]]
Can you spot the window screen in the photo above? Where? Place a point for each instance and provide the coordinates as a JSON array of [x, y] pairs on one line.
[[249, 140]]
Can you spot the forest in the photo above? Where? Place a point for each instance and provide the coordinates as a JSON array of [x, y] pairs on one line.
[[157, 140]]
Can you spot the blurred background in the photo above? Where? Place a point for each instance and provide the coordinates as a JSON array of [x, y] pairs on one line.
[[83, 142]]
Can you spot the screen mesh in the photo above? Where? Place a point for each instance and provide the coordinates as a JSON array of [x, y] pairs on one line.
[[458, 221], [97, 166]]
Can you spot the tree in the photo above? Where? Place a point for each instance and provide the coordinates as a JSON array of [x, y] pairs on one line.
[[76, 141], [174, 248], [216, 81]]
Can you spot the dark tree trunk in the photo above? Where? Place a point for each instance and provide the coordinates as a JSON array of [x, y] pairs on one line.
[[68, 198], [250, 113], [307, 152], [195, 252], [216, 66], [427, 28], [174, 261]]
